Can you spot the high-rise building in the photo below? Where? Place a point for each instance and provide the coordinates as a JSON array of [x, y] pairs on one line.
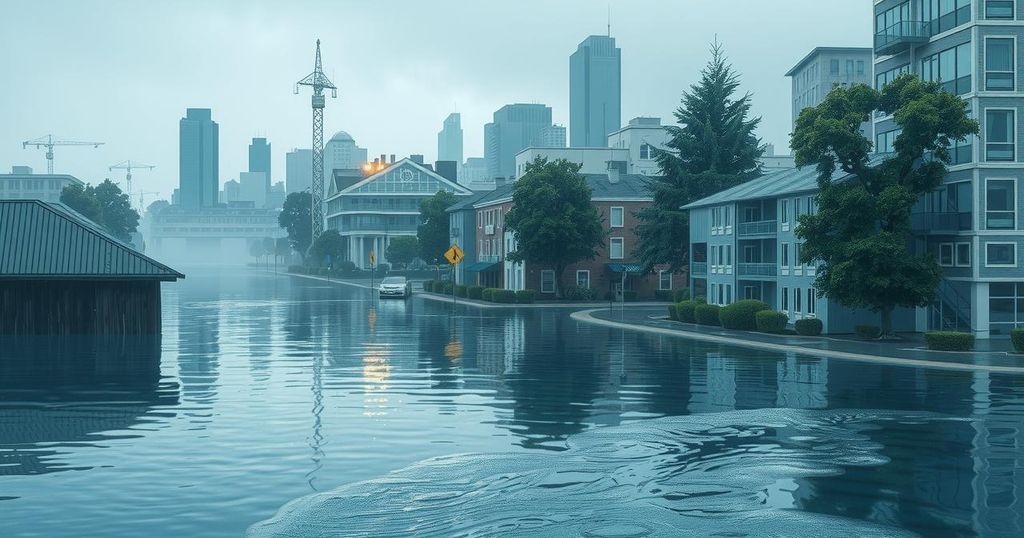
[[198, 161], [972, 223], [298, 172], [259, 160], [449, 139], [825, 68], [552, 137], [514, 127], [595, 92]]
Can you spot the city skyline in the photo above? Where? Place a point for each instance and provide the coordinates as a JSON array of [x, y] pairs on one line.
[[248, 84]]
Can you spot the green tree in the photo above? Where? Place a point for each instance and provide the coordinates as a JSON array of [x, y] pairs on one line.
[[552, 219], [296, 218], [327, 249], [257, 249], [861, 235], [432, 233], [156, 207], [712, 148], [83, 200], [105, 205], [403, 249], [282, 248]]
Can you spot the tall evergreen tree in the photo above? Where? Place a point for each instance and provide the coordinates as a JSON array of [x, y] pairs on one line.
[[712, 148]]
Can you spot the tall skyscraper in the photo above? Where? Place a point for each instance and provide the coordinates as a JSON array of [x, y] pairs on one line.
[[198, 159], [514, 128], [449, 140], [298, 172], [595, 92], [259, 160]]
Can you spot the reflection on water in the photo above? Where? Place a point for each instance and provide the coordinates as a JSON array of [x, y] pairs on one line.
[[264, 390]]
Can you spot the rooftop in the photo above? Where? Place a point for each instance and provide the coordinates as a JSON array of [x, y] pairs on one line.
[[819, 50], [628, 187]]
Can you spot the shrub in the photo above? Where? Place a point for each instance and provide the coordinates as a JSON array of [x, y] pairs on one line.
[[681, 295], [685, 311], [576, 293], [665, 296], [461, 291], [347, 266], [769, 321], [503, 296], [383, 268], [741, 315], [475, 292], [707, 314], [525, 296], [428, 285], [487, 294], [868, 332], [949, 341], [630, 296], [444, 287], [1017, 337], [808, 327], [673, 312]]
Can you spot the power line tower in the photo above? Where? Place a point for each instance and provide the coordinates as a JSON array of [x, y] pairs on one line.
[[49, 141], [319, 81], [127, 166]]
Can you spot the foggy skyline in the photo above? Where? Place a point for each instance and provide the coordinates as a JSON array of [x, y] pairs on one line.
[[123, 72]]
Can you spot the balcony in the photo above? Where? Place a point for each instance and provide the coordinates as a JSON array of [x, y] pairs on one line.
[[699, 268], [943, 222], [901, 36], [756, 270], [761, 227]]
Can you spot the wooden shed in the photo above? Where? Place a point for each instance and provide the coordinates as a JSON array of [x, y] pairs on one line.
[[62, 274]]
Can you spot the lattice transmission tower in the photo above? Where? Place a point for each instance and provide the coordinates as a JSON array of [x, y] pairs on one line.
[[319, 81]]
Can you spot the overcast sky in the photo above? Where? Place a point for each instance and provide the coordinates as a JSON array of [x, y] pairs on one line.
[[123, 72]]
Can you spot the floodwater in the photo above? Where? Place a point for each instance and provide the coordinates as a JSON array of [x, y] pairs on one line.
[[278, 406]]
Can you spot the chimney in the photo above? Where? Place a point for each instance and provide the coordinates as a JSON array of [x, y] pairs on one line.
[[392, 158], [383, 159], [615, 171], [416, 158]]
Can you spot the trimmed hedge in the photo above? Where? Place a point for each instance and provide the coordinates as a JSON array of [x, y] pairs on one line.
[[673, 312], [576, 293], [682, 294], [741, 315], [525, 296], [664, 296], [428, 285], [707, 314], [444, 287], [503, 296], [868, 332], [808, 327], [487, 294], [769, 321], [949, 341], [685, 311], [475, 292], [1017, 337], [461, 291], [630, 296]]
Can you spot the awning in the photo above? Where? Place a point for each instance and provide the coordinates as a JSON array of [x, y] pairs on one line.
[[480, 267], [628, 268]]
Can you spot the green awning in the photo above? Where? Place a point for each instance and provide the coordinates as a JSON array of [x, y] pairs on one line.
[[480, 267], [628, 268]]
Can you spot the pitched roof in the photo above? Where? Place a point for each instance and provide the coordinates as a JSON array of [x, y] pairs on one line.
[[44, 240], [628, 187], [455, 188], [467, 202]]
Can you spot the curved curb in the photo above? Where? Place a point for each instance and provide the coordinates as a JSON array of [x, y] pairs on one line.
[[585, 316]]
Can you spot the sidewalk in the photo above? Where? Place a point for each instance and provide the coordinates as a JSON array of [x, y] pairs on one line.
[[990, 355], [431, 296]]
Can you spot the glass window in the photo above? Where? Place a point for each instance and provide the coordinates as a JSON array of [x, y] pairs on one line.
[[944, 15], [999, 139], [946, 254], [888, 76], [796, 254], [615, 248], [728, 254], [963, 254], [860, 67], [999, 64], [812, 306], [784, 256], [849, 67], [785, 299], [1001, 254], [582, 279], [833, 67], [886, 142], [646, 151], [1000, 204], [617, 217], [951, 67], [797, 302], [547, 281], [998, 9], [784, 210], [665, 280]]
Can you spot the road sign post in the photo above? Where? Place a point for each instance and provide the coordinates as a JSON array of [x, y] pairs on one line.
[[454, 255], [373, 265]]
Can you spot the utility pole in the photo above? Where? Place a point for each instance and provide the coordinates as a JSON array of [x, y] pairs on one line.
[[319, 82], [49, 141]]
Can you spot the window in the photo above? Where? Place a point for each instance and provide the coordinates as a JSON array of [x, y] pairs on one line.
[[998, 9], [582, 279], [860, 67], [886, 142], [963, 254], [1001, 254], [547, 281], [888, 76], [951, 67], [721, 294], [728, 255], [646, 151], [891, 21], [785, 300], [944, 15], [999, 136], [796, 254], [812, 206], [849, 67], [797, 300], [784, 211], [728, 294], [833, 67], [617, 217], [714, 294], [784, 257], [999, 60], [946, 254], [961, 151], [615, 248], [1006, 306], [664, 280], [1000, 204], [812, 306]]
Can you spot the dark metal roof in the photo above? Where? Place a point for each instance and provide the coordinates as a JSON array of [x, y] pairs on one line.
[[41, 240]]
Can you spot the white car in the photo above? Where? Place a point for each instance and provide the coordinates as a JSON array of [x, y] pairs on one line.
[[395, 286]]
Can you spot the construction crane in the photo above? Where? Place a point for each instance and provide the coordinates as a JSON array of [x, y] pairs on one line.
[[142, 199], [127, 167], [49, 141], [319, 81]]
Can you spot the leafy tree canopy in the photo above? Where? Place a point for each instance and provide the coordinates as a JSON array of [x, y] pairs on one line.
[[552, 218], [328, 249], [403, 249], [105, 205], [861, 234], [432, 233], [296, 218]]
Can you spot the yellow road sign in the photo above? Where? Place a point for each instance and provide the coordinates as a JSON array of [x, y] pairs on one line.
[[373, 258], [454, 255]]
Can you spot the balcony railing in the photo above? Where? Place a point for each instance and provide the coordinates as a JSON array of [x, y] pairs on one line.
[[901, 36], [756, 269], [940, 222], [699, 268], [761, 227]]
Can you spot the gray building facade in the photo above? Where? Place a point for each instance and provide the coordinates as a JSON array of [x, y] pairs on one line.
[[449, 139], [298, 170], [198, 159], [825, 68], [595, 92], [514, 128], [259, 157]]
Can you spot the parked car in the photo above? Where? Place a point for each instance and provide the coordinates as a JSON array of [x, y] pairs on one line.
[[395, 286]]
